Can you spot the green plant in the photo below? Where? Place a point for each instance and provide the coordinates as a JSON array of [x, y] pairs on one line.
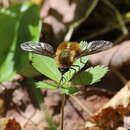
[[48, 67], [19, 23]]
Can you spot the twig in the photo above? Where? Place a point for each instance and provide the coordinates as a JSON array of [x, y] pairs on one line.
[[77, 111], [62, 111], [118, 15], [101, 32], [121, 24], [120, 76], [81, 105], [120, 38], [77, 23]]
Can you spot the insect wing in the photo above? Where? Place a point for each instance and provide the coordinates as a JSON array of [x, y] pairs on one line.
[[96, 46], [38, 48]]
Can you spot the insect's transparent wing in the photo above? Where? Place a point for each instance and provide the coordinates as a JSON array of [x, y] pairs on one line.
[[38, 48], [96, 46], [99, 45]]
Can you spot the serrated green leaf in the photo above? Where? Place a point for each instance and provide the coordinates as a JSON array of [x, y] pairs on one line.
[[69, 91], [46, 66], [16, 26], [83, 45], [46, 85], [77, 66], [90, 75]]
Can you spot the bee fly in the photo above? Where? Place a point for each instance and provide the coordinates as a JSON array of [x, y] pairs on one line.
[[66, 52]]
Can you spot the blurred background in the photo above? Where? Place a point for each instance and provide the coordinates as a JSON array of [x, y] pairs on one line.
[[55, 21]]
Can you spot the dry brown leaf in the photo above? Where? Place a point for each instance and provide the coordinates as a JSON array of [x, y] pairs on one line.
[[58, 15], [112, 114], [12, 125], [121, 98], [9, 124]]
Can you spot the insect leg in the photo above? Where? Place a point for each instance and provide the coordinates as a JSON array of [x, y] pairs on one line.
[[61, 80], [75, 66]]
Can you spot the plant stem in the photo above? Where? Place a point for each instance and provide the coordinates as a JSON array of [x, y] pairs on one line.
[[118, 16], [120, 76], [74, 25], [106, 29], [62, 111], [81, 105]]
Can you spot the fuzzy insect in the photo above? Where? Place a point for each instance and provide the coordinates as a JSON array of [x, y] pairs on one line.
[[66, 52]]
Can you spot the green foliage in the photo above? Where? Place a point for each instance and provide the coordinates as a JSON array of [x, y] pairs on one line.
[[18, 24], [48, 67], [35, 92], [46, 85], [90, 75], [83, 44], [77, 66], [69, 91], [51, 124]]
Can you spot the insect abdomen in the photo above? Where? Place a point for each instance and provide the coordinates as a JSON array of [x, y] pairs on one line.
[[66, 52], [64, 58]]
